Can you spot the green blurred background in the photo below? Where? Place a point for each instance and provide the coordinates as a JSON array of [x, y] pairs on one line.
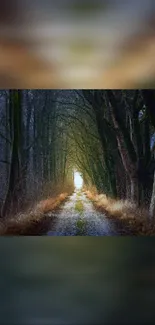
[[77, 281]]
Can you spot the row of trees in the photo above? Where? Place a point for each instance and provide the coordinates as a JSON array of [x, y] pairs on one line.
[[33, 153], [107, 135], [114, 142]]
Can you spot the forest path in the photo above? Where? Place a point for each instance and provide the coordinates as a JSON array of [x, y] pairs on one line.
[[78, 217]]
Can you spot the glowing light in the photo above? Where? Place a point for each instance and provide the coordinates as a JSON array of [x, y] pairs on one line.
[[78, 180]]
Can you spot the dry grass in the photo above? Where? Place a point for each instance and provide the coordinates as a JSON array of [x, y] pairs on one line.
[[34, 222], [131, 217], [51, 203]]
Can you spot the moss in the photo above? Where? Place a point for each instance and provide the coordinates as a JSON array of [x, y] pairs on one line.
[[78, 194], [79, 206], [81, 227]]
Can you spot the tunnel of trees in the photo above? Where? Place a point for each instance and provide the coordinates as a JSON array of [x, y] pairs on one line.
[[106, 135]]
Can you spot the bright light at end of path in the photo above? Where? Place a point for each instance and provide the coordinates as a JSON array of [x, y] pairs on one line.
[[78, 181]]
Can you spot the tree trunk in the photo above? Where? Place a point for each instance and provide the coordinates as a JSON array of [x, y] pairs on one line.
[[135, 195], [125, 147], [149, 98], [152, 204], [11, 200]]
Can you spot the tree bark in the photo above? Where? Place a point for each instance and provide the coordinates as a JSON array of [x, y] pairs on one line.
[[126, 150], [152, 204], [11, 200], [149, 98]]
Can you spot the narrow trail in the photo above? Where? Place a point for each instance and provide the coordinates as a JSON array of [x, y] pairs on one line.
[[78, 217]]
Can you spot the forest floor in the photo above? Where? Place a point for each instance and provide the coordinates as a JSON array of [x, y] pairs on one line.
[[35, 221], [129, 215], [78, 217], [80, 213]]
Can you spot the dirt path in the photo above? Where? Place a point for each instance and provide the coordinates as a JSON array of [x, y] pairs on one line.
[[78, 217]]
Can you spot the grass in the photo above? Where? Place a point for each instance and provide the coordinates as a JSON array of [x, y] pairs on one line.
[[80, 227], [79, 206], [135, 219], [80, 223], [78, 194], [34, 222]]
